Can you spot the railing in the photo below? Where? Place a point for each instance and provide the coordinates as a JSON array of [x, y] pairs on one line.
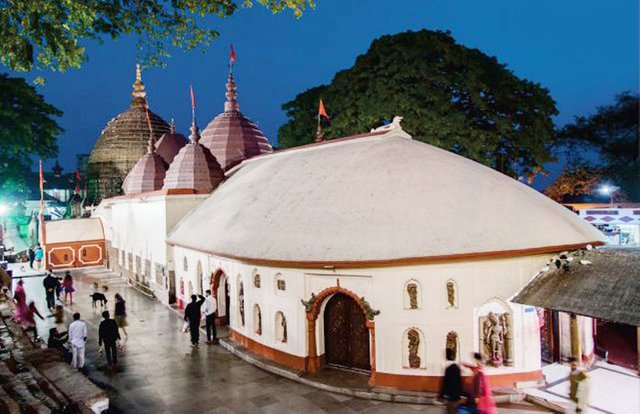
[[145, 290]]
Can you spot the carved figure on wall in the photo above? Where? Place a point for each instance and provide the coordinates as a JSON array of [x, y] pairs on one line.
[[256, 281], [414, 345], [452, 342], [241, 302], [257, 318], [451, 294], [496, 343], [412, 290], [284, 329]]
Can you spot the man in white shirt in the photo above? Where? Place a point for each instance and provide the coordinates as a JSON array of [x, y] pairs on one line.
[[209, 311], [77, 339]]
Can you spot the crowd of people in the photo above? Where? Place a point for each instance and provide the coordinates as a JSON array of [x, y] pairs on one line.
[[477, 398], [71, 342]]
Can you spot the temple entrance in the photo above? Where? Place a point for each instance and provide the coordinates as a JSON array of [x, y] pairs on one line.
[[220, 290], [346, 336]]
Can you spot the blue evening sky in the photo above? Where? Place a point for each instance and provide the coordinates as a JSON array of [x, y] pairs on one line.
[[584, 51]]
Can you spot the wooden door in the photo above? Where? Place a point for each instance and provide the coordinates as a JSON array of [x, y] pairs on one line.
[[345, 333]]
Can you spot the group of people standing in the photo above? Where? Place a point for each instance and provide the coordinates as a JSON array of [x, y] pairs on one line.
[[35, 254], [72, 342], [478, 400], [193, 315]]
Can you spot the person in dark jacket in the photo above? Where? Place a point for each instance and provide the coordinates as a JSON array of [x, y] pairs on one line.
[[50, 285], [108, 334], [192, 315], [451, 391], [32, 256]]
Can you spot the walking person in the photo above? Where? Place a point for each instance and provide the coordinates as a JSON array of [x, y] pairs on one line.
[[38, 255], [481, 396], [209, 312], [20, 297], [451, 391], [32, 256], [78, 339], [192, 315], [67, 285], [108, 333], [578, 386], [120, 313], [50, 284], [28, 321]]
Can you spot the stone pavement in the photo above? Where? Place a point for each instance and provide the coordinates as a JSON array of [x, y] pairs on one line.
[[161, 373], [612, 389]]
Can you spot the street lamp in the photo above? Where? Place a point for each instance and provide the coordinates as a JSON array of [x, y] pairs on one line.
[[609, 190]]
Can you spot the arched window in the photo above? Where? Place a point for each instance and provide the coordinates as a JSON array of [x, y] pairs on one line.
[[281, 327], [414, 349], [281, 284], [185, 264], [452, 294], [256, 279], [412, 295], [241, 301], [199, 276], [257, 319]]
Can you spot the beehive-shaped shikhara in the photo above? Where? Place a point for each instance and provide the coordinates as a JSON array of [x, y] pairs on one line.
[[121, 144]]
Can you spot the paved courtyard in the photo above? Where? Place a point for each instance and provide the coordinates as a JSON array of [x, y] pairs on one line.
[[160, 372]]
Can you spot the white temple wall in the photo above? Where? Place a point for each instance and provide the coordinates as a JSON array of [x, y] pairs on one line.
[[480, 287]]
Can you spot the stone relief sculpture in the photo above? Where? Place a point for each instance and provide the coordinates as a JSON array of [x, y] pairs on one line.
[[412, 290], [414, 345], [284, 328], [451, 294], [496, 341], [452, 342], [256, 281], [241, 302]]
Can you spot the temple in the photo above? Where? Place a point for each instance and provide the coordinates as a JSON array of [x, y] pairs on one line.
[[358, 252]]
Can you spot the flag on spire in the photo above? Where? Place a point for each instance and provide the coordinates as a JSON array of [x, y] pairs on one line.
[[322, 111], [232, 55]]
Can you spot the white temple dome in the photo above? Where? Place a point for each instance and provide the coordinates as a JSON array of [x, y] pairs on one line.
[[376, 199]]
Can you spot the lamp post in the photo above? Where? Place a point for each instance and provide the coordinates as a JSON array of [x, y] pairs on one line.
[[609, 190]]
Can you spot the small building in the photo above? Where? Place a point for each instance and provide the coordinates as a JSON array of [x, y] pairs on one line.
[[620, 225], [74, 243]]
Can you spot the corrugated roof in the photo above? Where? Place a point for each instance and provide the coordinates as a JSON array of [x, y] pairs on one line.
[[608, 288]]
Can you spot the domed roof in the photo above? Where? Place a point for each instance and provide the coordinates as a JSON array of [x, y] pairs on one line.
[[169, 144], [377, 199], [121, 144], [194, 167], [148, 173], [232, 137]]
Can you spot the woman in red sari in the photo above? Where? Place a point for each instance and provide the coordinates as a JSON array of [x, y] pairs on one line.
[[20, 297], [481, 393]]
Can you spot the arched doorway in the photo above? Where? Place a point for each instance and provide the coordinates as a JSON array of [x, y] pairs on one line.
[[346, 335], [220, 290]]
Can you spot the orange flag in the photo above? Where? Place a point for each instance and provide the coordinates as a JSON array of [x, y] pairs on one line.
[[322, 111]]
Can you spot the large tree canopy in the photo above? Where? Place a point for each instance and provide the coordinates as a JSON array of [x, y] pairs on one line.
[[48, 32], [451, 96], [613, 133], [27, 127]]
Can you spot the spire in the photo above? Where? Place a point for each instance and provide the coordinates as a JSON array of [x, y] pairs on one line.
[[231, 105], [195, 131], [172, 127], [139, 95], [151, 148]]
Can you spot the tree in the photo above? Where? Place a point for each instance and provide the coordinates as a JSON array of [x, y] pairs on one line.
[[450, 96], [574, 182], [27, 127], [613, 134], [50, 33]]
